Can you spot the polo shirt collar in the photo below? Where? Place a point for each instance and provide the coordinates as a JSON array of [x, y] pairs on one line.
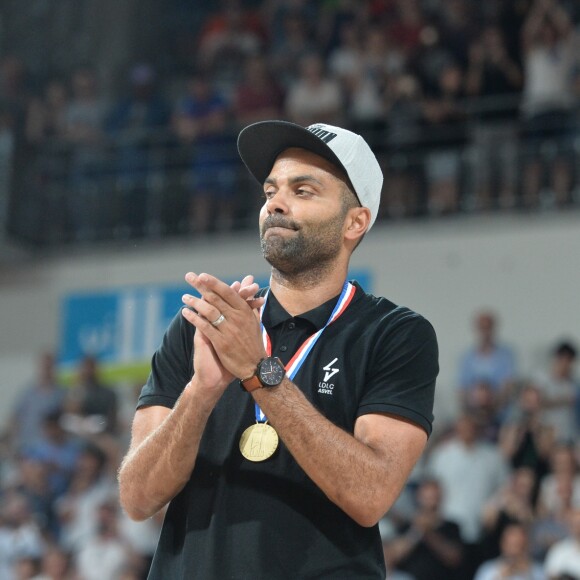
[[275, 314]]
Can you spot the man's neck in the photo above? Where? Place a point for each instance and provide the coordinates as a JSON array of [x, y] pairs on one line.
[[300, 293]]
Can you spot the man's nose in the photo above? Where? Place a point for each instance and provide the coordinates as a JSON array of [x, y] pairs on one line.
[[278, 203]]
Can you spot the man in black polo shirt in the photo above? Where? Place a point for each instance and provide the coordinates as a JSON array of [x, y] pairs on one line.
[[281, 425]]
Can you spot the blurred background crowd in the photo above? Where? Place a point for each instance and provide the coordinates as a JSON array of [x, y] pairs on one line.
[[472, 107], [496, 496]]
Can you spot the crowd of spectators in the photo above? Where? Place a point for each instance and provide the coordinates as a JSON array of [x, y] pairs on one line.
[[496, 495], [470, 106], [59, 510]]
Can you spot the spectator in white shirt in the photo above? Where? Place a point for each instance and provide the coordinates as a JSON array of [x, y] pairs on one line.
[[105, 554], [470, 472], [315, 96], [563, 558], [559, 390], [514, 562]]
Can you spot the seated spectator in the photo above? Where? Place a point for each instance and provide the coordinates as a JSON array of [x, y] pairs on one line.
[[44, 129], [495, 80], [332, 16], [46, 115], [559, 390], [90, 401], [482, 404], [563, 475], [404, 171], [258, 96], [26, 568], [314, 97], [380, 62], [445, 132], [550, 527], [524, 439], [200, 122], [136, 124], [104, 554], [57, 450], [429, 546], [563, 558], [230, 37], [548, 44], [92, 484], [56, 564], [488, 360], [275, 15], [43, 396], [345, 59], [470, 472], [83, 131], [14, 86], [20, 537], [515, 561], [406, 29], [290, 48], [32, 482], [513, 503], [430, 59], [142, 538], [459, 21]]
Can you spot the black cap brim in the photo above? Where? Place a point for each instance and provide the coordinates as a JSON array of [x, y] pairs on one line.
[[260, 144]]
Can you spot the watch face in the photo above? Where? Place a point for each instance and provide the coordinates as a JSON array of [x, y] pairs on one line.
[[272, 372]]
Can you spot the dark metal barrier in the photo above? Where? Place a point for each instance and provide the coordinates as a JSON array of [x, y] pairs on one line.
[[153, 186]]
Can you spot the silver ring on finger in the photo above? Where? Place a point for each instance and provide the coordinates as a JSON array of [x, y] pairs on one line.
[[218, 320]]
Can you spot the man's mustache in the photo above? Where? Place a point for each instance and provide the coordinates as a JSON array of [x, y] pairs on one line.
[[279, 221]]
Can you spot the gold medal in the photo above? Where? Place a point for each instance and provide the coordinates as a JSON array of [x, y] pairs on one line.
[[259, 442]]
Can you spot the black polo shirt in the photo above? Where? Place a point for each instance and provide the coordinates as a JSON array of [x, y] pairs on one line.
[[237, 519]]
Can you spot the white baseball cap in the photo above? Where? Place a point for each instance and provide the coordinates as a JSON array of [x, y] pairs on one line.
[[260, 144]]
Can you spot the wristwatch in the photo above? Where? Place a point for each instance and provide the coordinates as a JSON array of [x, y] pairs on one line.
[[270, 372]]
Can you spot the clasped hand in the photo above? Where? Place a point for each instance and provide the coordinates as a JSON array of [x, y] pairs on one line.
[[237, 340]]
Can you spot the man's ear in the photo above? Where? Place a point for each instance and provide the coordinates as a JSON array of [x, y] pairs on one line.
[[358, 222]]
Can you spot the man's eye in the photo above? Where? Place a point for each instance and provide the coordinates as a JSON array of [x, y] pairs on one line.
[[269, 193]]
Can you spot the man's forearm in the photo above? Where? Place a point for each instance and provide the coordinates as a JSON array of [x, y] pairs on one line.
[[158, 466], [362, 481]]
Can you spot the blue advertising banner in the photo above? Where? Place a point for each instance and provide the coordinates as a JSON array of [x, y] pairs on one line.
[[125, 325]]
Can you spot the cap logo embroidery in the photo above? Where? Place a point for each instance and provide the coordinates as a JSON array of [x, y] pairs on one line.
[[322, 134]]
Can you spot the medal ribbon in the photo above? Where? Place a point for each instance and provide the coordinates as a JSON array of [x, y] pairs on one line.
[[294, 364]]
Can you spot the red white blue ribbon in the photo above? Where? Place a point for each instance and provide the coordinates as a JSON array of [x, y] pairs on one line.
[[294, 364]]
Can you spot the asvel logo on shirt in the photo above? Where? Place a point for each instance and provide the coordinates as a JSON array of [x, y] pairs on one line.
[[325, 386]]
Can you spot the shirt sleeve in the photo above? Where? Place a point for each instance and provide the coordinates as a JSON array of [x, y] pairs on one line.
[[171, 365], [403, 369]]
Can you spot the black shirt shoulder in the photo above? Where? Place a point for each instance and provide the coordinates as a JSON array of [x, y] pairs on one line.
[[402, 360]]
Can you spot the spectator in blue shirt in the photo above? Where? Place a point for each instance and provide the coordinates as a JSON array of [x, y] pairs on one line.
[[487, 361], [200, 122], [136, 124]]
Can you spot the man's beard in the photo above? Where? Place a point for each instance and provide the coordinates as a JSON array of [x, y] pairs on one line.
[[302, 252]]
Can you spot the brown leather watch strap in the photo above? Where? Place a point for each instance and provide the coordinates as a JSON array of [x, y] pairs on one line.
[[251, 384]]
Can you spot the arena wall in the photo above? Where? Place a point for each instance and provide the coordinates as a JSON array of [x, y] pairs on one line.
[[525, 268]]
